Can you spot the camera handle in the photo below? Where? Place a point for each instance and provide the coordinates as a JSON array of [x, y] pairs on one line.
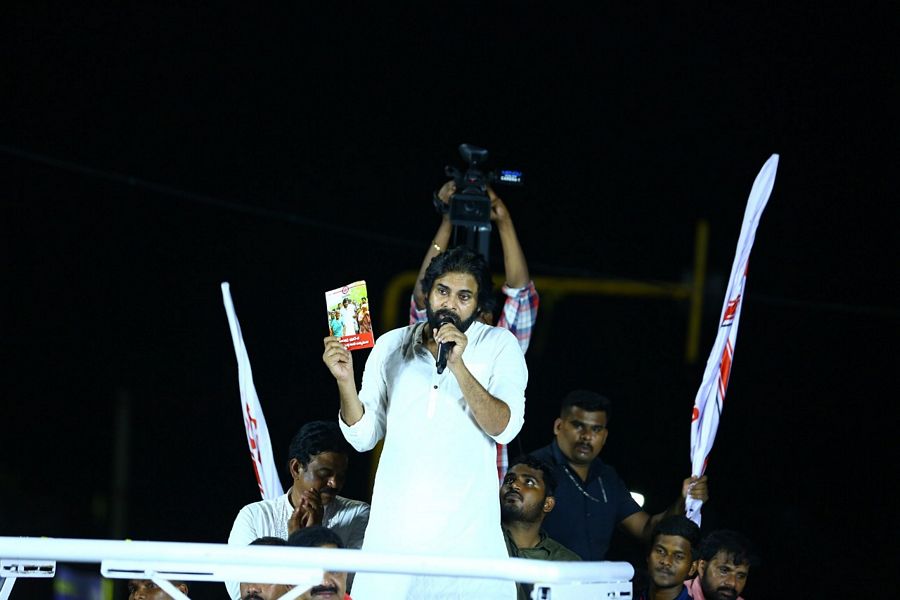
[[475, 237]]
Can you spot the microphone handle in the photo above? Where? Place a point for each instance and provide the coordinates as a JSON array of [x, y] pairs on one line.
[[443, 351]]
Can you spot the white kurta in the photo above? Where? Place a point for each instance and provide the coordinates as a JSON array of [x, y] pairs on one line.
[[436, 488]]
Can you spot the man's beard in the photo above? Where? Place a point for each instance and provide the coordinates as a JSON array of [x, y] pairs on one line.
[[708, 592], [518, 514], [718, 593], [508, 514], [443, 315]]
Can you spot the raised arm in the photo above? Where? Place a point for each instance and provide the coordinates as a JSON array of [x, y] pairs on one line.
[[438, 244], [519, 311], [514, 264], [339, 361], [641, 524], [492, 414]]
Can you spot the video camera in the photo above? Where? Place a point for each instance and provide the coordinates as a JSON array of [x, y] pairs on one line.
[[470, 207]]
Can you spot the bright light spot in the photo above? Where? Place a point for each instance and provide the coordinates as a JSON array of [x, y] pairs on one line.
[[639, 498]]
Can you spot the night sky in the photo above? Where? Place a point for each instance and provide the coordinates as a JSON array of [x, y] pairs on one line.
[[148, 154]]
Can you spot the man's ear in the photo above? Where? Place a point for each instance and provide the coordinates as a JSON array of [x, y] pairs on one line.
[[556, 425], [296, 467], [701, 567], [693, 570], [549, 503]]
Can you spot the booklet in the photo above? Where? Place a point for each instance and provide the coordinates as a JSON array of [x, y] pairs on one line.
[[348, 315]]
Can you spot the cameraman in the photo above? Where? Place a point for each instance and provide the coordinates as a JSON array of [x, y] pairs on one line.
[[519, 311]]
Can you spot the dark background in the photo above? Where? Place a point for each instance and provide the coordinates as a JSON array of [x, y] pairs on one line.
[[150, 153]]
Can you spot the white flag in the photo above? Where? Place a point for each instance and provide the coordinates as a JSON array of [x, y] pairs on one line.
[[711, 395], [254, 421]]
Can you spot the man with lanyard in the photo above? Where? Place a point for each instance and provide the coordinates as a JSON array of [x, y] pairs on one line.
[[591, 499]]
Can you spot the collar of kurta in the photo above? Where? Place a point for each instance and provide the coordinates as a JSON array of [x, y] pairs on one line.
[[415, 336]]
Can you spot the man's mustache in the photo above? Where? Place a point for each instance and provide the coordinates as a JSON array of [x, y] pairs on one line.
[[252, 596], [445, 313], [323, 588]]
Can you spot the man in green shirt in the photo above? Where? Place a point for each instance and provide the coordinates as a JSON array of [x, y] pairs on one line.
[[526, 496]]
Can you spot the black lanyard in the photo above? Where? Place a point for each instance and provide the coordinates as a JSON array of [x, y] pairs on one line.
[[577, 483]]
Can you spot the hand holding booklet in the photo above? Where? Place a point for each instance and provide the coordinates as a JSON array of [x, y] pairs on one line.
[[349, 318]]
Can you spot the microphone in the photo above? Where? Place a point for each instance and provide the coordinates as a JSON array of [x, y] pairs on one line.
[[443, 348]]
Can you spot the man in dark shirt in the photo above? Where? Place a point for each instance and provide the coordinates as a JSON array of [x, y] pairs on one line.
[[591, 499], [672, 559], [526, 497]]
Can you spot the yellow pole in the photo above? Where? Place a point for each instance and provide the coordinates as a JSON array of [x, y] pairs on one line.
[[701, 248]]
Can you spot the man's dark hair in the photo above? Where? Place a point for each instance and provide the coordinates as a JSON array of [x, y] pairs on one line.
[[317, 437], [682, 527], [462, 260], [268, 541], [174, 582], [314, 537], [588, 401], [734, 545], [546, 471]]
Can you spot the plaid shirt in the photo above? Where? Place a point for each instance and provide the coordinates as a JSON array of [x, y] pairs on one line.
[[518, 315]]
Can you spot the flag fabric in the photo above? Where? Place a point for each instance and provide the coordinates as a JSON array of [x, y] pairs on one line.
[[254, 421], [711, 395]]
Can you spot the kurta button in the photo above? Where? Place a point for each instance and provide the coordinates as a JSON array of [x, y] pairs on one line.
[[435, 386]]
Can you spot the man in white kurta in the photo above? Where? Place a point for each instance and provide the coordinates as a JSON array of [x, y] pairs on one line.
[[436, 487], [348, 318], [317, 463]]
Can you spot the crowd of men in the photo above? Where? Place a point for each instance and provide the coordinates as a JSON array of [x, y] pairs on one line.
[[436, 486]]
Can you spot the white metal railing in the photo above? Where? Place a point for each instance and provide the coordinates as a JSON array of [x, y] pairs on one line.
[[303, 567]]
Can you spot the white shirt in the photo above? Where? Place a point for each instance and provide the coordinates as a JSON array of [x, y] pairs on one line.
[[348, 518], [348, 318], [436, 489]]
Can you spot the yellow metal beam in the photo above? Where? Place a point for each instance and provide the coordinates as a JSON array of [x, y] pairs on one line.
[[701, 248], [554, 288], [400, 286]]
